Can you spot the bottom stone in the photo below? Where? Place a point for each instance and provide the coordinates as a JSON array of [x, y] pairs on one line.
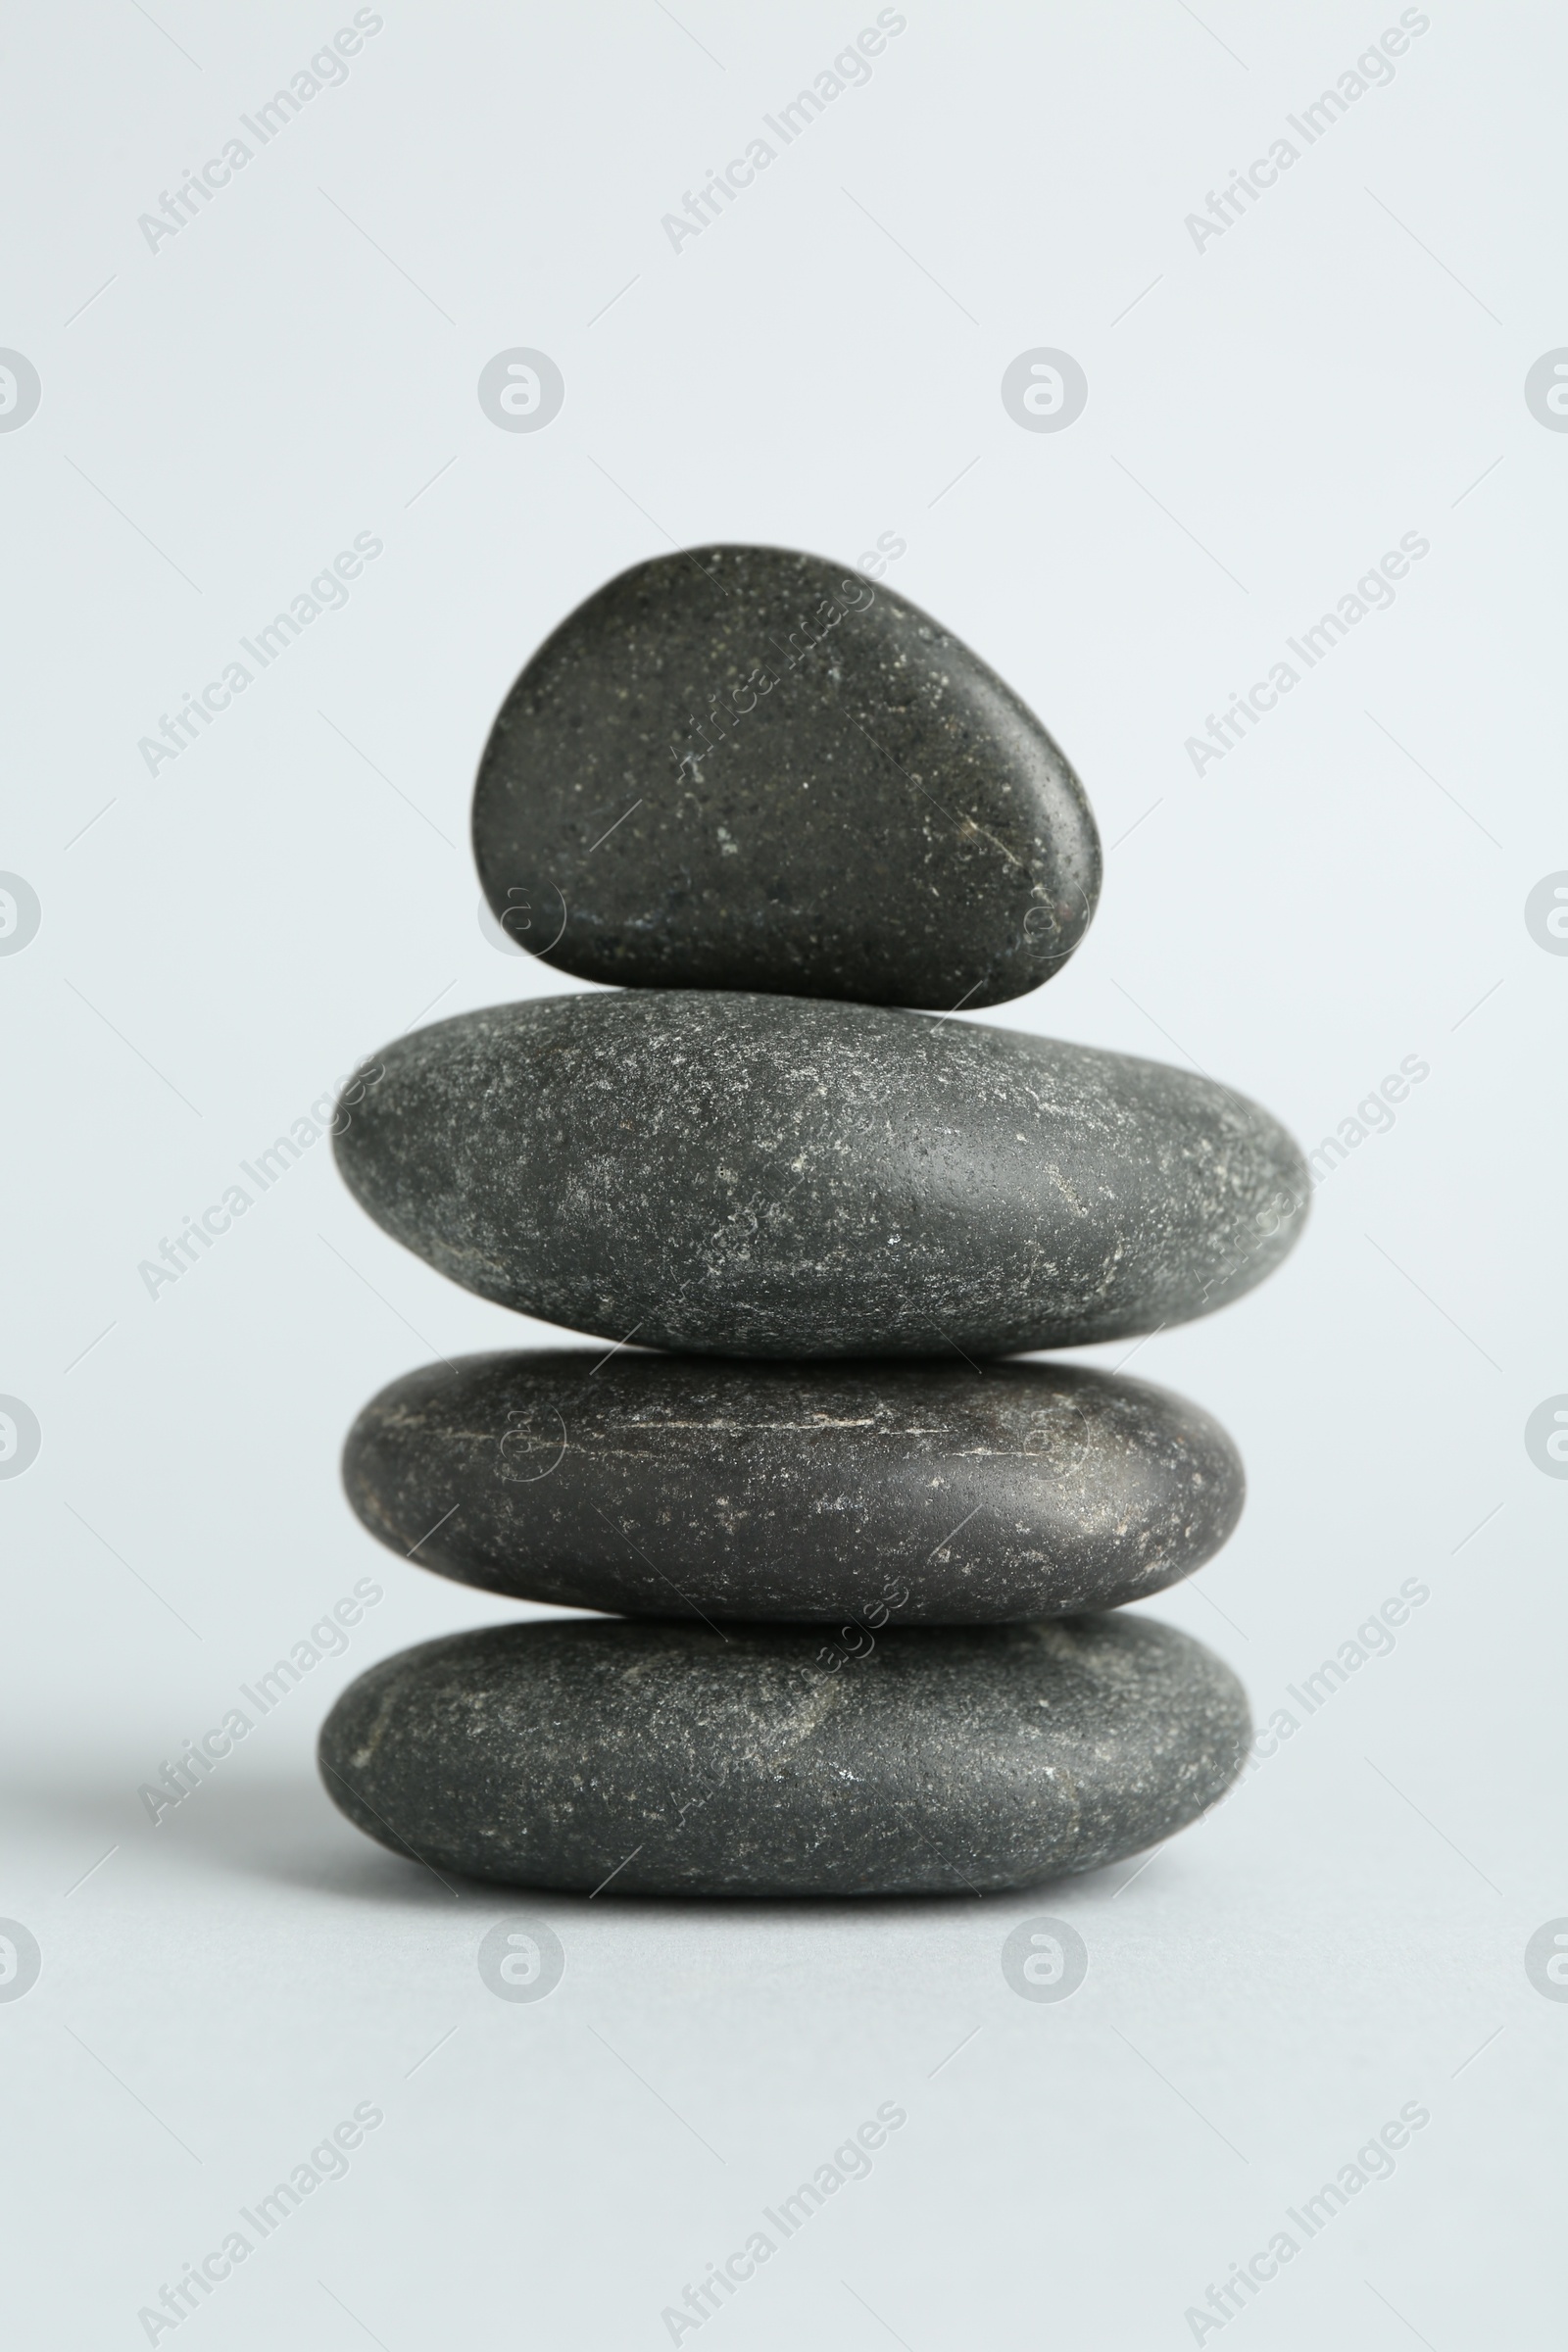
[[664, 1759]]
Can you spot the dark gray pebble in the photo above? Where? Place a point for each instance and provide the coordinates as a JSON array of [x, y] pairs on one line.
[[671, 1759], [773, 1176], [746, 767], [877, 1494]]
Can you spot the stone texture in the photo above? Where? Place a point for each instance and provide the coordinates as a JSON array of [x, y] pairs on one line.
[[674, 1759], [881, 1493], [770, 1176], [746, 767]]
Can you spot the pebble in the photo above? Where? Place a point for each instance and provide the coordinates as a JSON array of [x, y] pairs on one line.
[[772, 1176], [659, 1759], [875, 1495], [745, 767]]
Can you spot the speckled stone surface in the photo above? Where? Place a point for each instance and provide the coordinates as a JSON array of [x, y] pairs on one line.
[[772, 1176], [746, 767], [672, 1760], [878, 1493]]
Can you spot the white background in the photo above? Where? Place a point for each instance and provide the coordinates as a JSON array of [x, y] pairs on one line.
[[222, 941]]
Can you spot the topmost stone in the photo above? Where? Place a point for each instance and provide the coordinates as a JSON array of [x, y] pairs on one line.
[[738, 767]]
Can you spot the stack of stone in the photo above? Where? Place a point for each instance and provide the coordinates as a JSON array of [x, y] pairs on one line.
[[866, 1565]]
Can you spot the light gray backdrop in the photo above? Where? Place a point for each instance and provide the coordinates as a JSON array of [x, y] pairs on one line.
[[1273, 405]]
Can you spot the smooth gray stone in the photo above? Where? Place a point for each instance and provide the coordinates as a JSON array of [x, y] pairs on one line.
[[675, 1759], [746, 767], [878, 1493], [773, 1176]]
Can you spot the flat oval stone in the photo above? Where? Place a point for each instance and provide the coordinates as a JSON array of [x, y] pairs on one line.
[[775, 1176], [677, 1759], [739, 767], [876, 1494]]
